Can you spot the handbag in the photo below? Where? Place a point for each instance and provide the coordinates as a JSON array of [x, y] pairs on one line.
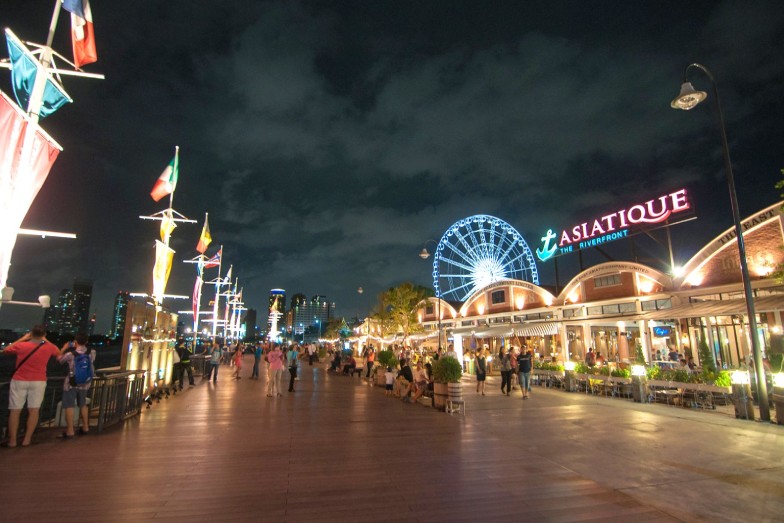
[[26, 358]]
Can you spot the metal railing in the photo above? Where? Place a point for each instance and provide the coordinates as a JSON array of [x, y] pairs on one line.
[[116, 397], [113, 397]]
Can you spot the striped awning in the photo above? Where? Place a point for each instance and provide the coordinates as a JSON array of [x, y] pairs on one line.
[[484, 331], [716, 308], [548, 328]]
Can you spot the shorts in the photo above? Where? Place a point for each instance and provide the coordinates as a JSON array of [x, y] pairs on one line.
[[421, 385], [390, 386], [30, 391], [74, 396]]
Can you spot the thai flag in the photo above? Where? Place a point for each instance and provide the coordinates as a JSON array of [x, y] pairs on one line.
[[82, 33], [214, 261]]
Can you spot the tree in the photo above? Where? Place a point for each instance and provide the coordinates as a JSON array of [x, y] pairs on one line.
[[706, 356], [400, 303]]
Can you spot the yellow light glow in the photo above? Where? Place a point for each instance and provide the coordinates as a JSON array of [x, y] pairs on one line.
[[740, 377], [638, 370], [778, 380], [646, 285], [520, 302], [569, 365], [574, 296], [480, 308], [696, 279], [548, 300], [776, 329]]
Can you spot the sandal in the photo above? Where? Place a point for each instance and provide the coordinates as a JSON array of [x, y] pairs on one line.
[[65, 436], [83, 432]]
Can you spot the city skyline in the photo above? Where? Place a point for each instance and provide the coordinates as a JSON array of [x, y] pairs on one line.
[[330, 142]]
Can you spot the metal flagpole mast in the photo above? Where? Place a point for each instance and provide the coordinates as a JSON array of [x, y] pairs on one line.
[[216, 301]]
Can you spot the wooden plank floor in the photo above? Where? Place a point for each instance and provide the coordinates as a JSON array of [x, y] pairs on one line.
[[339, 450]]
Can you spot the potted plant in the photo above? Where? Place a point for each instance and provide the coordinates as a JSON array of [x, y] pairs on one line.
[[386, 358], [446, 375]]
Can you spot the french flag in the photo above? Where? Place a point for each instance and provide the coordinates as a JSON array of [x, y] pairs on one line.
[[81, 32]]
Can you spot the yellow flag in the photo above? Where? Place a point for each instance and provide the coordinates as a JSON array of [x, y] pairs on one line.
[[167, 227], [160, 273]]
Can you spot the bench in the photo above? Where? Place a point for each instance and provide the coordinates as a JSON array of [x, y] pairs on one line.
[[358, 371]]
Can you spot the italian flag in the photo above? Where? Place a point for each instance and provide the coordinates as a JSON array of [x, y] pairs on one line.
[[167, 181]]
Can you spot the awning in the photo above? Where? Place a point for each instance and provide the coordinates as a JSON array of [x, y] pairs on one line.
[[537, 329], [484, 331], [716, 308]]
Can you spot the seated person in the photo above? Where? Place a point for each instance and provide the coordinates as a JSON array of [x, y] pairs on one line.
[[335, 362], [404, 380], [421, 381], [350, 365]]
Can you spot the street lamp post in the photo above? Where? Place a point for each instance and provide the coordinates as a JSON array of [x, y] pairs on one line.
[[686, 100], [425, 255]]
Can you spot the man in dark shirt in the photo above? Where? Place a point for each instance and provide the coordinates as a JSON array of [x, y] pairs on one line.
[[405, 378], [524, 365]]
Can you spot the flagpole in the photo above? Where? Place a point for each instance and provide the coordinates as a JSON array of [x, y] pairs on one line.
[[53, 24], [217, 296]]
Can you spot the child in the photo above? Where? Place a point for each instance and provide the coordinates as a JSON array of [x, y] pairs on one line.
[[389, 375]]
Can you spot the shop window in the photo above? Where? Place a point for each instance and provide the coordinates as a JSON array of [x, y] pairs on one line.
[[592, 311], [570, 313], [607, 281], [498, 297], [655, 305], [627, 307], [429, 310]]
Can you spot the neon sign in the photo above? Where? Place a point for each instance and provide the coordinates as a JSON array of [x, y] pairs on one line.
[[614, 226]]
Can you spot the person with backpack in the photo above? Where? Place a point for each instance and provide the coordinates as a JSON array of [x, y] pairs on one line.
[[28, 382], [80, 360]]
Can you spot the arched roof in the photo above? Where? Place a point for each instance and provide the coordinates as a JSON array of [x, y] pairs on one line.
[[691, 271], [607, 268]]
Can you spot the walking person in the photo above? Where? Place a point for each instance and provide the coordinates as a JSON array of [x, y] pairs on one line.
[[237, 360], [185, 363], [524, 366], [215, 361], [311, 353], [481, 371], [370, 360], [275, 358], [254, 375], [506, 371], [81, 369], [28, 381], [292, 358]]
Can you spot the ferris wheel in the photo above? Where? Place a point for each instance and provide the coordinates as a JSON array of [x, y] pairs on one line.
[[477, 251]]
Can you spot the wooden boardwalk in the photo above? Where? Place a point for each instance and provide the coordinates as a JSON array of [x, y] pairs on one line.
[[339, 450]]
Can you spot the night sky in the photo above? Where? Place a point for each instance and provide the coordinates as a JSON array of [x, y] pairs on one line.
[[330, 140]]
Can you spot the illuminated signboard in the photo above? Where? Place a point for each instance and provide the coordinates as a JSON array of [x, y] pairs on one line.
[[615, 226]]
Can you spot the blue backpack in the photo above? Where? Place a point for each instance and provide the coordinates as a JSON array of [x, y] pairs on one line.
[[83, 368]]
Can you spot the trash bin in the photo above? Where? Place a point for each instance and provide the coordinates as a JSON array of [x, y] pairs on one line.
[[570, 382], [742, 399], [640, 389]]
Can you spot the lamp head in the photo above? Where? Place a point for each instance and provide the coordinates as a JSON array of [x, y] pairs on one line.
[[7, 293], [688, 97], [424, 254], [45, 301]]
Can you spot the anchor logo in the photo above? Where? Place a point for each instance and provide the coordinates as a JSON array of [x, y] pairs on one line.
[[547, 252]]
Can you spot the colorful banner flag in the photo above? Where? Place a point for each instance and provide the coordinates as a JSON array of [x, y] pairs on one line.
[[26, 156], [25, 69], [82, 34], [160, 273], [167, 181], [167, 227], [214, 261], [205, 239], [196, 302]]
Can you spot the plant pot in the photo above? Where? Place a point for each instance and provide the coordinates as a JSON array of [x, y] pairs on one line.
[[742, 399], [639, 389], [455, 391], [778, 403], [440, 394], [381, 379]]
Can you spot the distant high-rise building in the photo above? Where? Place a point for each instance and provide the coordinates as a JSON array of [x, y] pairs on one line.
[[59, 319], [118, 318], [321, 310], [250, 323], [83, 294]]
